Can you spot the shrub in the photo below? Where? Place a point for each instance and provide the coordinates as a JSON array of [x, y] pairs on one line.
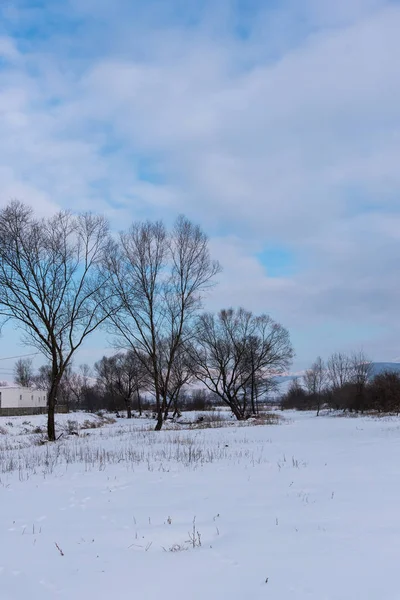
[[71, 427]]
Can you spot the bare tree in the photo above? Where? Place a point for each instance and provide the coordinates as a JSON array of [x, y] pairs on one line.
[[158, 280], [77, 383], [122, 376], [384, 392], [181, 374], [234, 351], [339, 374], [315, 380], [51, 283], [258, 385], [42, 379], [295, 397], [23, 372], [361, 374], [339, 370]]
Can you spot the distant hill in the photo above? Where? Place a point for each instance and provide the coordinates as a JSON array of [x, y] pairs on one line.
[[380, 367]]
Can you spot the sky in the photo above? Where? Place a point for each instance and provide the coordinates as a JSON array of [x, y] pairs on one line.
[[274, 124]]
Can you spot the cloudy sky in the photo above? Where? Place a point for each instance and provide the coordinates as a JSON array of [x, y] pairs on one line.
[[275, 124]]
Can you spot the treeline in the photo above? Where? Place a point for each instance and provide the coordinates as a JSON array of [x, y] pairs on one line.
[[63, 277], [344, 383], [117, 384]]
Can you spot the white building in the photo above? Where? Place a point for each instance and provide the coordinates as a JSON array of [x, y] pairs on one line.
[[21, 397]]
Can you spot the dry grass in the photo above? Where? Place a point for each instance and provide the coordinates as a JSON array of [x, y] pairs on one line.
[[268, 418], [153, 451], [101, 440], [218, 419], [72, 427]]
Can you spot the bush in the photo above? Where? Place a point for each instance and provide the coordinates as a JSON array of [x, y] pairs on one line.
[[199, 400], [71, 427], [383, 393], [297, 398]]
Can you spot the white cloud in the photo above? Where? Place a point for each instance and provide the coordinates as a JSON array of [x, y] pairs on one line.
[[8, 50], [276, 137], [281, 136]]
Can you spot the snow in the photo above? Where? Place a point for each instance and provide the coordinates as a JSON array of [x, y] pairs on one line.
[[25, 425], [307, 509]]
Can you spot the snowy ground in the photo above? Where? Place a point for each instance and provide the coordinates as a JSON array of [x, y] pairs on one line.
[[308, 509]]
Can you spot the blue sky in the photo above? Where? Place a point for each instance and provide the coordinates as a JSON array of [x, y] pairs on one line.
[[275, 125]]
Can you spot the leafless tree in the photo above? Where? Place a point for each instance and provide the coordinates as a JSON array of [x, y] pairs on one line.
[[295, 397], [339, 374], [77, 383], [315, 380], [23, 372], [361, 373], [181, 374], [122, 376], [361, 368], [42, 379], [339, 370], [158, 280], [234, 350], [258, 385], [384, 392], [51, 283]]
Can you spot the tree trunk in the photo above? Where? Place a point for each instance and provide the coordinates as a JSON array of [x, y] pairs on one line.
[[239, 414], [159, 409], [177, 412], [51, 426], [318, 406], [160, 420], [159, 404], [51, 409], [128, 409], [253, 390], [168, 407], [139, 403], [56, 376]]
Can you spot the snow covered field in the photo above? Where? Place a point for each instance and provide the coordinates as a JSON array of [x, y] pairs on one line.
[[307, 509]]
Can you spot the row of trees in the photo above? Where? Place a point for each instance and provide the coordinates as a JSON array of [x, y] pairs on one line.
[[234, 355], [63, 277], [345, 382], [116, 383]]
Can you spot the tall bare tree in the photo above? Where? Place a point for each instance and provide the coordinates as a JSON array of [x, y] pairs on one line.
[[384, 392], [315, 380], [339, 374], [23, 372], [234, 351], [361, 374], [42, 378], [260, 384], [339, 370], [77, 384], [158, 279], [181, 374], [122, 376], [51, 283], [295, 396]]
